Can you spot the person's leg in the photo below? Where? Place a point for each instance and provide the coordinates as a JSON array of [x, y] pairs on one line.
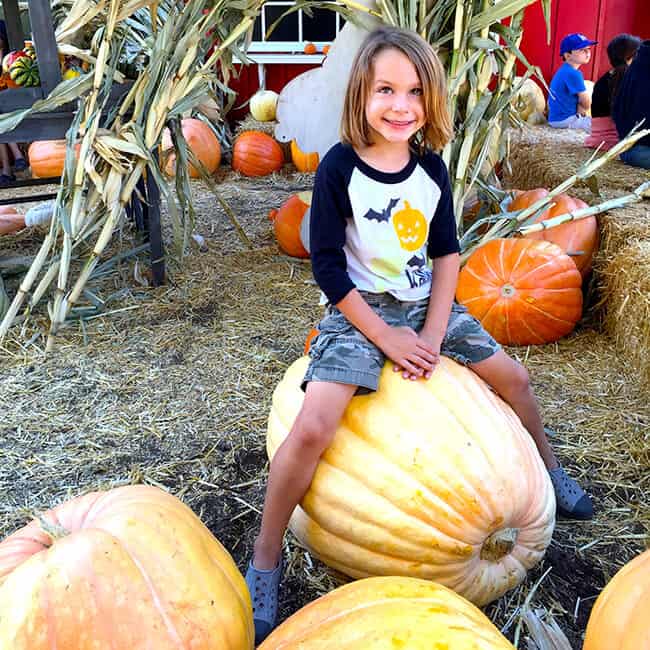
[[4, 159], [291, 473], [20, 163], [510, 380], [637, 156], [294, 464]]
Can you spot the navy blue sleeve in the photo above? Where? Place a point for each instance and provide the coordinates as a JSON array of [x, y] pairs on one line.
[[443, 237], [330, 210]]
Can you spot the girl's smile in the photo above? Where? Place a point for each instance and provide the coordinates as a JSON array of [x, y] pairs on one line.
[[395, 106]]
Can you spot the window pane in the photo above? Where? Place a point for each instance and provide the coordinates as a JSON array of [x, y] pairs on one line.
[[257, 29], [287, 28], [322, 27]]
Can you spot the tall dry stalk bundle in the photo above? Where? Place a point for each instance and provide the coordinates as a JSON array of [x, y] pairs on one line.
[[180, 52]]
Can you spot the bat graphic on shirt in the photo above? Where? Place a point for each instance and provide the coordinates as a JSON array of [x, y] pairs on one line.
[[417, 261], [384, 215]]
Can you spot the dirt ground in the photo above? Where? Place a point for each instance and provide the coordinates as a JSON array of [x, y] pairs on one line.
[[173, 389]]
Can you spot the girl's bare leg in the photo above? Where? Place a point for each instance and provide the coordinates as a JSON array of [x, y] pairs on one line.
[[294, 464]]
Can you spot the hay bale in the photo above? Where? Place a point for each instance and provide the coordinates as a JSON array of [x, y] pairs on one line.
[[545, 157], [625, 292]]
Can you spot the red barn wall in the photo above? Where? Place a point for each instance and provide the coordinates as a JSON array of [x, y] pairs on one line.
[[599, 20]]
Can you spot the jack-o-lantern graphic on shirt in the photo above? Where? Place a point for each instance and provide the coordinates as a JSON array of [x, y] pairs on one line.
[[410, 227]]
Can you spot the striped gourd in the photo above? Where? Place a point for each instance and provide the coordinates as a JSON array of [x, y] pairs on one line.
[[24, 71]]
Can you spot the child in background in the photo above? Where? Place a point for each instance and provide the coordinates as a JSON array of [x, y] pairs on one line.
[[632, 104], [568, 99], [390, 284], [620, 51]]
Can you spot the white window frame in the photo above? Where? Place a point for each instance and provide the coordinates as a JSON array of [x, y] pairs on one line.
[[286, 51]]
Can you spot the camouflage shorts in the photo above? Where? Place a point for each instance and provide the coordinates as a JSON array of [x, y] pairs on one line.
[[342, 354]]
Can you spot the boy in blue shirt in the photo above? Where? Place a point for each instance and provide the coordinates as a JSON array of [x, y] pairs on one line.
[[568, 100]]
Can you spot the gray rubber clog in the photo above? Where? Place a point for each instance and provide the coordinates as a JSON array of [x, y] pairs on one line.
[[263, 588]]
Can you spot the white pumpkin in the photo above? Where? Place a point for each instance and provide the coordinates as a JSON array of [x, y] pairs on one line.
[[263, 104], [529, 101]]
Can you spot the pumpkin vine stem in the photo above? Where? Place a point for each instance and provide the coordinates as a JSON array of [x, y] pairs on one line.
[[499, 544], [55, 531]]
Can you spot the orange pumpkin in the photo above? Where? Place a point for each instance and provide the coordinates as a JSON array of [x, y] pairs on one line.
[[286, 224], [132, 567], [203, 143], [256, 154], [313, 333], [10, 220], [304, 162], [523, 291], [619, 618], [326, 49], [579, 238], [47, 157], [310, 48]]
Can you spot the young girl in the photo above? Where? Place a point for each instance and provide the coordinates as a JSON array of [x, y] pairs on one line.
[[385, 253]]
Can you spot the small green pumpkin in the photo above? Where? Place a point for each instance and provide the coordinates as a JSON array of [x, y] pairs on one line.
[[24, 71]]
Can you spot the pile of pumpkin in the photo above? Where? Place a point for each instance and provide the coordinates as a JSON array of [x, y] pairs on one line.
[[135, 568], [529, 290]]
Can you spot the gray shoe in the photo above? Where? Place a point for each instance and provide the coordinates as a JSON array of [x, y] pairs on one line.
[[572, 501], [263, 588]]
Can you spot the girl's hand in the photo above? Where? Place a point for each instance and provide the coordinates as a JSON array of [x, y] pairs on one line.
[[411, 354], [434, 344]]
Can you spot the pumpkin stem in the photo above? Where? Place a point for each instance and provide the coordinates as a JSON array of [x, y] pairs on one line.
[[55, 531], [499, 544]]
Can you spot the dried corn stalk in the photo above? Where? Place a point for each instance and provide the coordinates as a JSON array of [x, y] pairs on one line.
[[177, 48]]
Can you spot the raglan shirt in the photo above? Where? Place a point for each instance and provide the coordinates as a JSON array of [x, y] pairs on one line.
[[377, 231]]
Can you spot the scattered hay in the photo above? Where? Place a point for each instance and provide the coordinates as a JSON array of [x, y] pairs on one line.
[[625, 291], [174, 388]]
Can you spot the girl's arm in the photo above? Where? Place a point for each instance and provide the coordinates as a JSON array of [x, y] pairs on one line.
[[443, 289]]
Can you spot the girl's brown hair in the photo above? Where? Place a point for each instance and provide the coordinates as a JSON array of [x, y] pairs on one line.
[[437, 129]]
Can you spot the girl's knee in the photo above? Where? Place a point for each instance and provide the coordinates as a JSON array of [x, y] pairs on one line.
[[519, 380], [313, 431]]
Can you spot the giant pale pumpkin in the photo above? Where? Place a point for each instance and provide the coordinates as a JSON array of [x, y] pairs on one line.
[[578, 238], [47, 157], [256, 154], [287, 221], [620, 618], [389, 612], [432, 479], [202, 142], [523, 291], [129, 568]]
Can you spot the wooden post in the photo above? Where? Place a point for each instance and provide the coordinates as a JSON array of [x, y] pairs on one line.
[[13, 24], [40, 16]]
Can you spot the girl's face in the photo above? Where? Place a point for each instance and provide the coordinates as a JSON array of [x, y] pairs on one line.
[[395, 106]]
